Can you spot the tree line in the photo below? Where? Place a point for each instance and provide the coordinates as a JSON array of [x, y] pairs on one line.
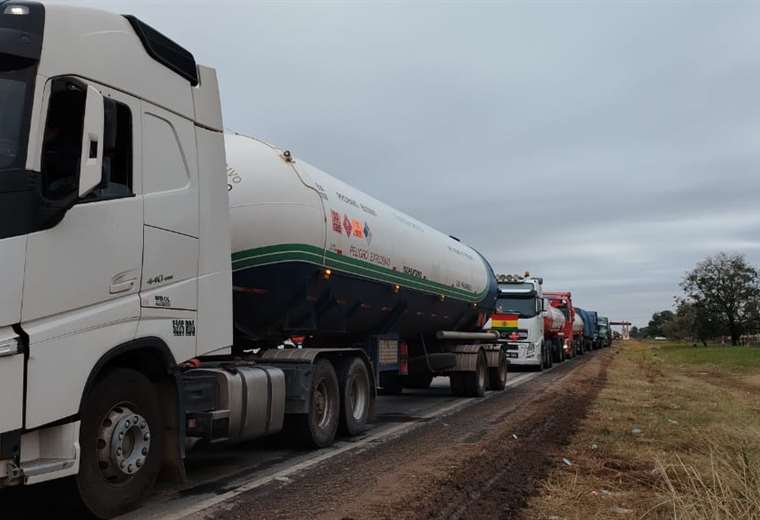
[[721, 297]]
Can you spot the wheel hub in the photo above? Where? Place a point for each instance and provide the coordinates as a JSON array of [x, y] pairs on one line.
[[123, 443], [357, 398]]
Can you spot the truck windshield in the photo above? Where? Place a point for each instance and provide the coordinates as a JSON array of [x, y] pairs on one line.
[[525, 307], [14, 115]]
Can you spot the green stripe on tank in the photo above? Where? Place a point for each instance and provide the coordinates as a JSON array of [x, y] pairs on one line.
[[315, 255]]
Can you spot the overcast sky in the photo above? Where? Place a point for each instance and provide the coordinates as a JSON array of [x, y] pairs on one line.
[[605, 146]]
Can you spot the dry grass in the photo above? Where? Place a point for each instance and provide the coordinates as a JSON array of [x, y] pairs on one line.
[[666, 439], [728, 489]]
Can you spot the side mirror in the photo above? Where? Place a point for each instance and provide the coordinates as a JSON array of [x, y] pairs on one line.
[[91, 166]]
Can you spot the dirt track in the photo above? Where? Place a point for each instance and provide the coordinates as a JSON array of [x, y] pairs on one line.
[[483, 462]]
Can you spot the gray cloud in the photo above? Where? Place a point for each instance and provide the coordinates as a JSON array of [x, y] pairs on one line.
[[605, 147]]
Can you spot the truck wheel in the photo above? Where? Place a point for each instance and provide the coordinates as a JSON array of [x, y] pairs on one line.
[[497, 376], [456, 382], [356, 392], [120, 439], [390, 384], [418, 381], [542, 361], [549, 354], [475, 383]]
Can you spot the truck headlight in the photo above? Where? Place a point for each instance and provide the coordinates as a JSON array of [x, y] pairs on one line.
[[17, 10], [9, 347]]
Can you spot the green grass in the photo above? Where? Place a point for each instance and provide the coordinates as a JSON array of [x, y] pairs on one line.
[[734, 359]]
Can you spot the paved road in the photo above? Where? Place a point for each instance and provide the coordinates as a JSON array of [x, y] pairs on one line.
[[219, 474], [222, 474]]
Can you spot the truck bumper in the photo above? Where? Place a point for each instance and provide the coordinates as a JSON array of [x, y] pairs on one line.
[[523, 353]]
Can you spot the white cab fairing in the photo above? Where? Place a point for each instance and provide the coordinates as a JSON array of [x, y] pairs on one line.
[[12, 259]]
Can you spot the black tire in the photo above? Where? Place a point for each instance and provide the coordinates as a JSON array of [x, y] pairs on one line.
[[475, 383], [542, 363], [418, 381], [390, 384], [356, 396], [549, 354], [497, 376], [456, 382], [317, 428], [558, 351], [103, 488]]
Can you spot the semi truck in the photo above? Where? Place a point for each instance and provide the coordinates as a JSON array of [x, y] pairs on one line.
[[563, 301], [554, 323], [604, 332], [165, 283], [590, 329], [519, 319]]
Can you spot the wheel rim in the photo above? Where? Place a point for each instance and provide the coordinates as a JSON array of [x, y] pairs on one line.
[[503, 371], [123, 443], [357, 398], [322, 404]]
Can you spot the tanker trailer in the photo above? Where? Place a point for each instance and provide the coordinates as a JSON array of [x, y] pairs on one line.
[[589, 329], [578, 333], [563, 300], [316, 259], [554, 323]]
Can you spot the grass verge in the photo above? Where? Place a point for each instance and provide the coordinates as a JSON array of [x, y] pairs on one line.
[[674, 434]]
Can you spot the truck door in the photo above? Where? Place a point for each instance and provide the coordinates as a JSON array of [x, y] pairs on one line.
[[169, 291], [82, 275]]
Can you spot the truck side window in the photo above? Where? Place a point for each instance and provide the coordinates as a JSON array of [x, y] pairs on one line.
[[117, 153], [62, 143]]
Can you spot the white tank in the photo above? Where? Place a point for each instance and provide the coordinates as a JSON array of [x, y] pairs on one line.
[[577, 325], [292, 222]]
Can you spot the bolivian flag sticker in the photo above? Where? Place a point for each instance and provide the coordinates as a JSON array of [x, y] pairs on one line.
[[504, 322]]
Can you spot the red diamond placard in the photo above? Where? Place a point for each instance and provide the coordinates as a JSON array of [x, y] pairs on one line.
[[347, 226]]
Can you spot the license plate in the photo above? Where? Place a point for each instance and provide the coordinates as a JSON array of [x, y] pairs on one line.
[[511, 355]]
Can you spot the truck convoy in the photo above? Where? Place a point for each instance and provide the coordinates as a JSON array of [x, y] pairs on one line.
[[146, 303], [145, 300], [530, 327]]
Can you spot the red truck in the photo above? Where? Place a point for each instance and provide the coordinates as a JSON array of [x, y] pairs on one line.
[[563, 300]]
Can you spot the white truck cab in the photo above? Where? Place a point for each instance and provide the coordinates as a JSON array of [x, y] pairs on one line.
[[112, 192], [520, 322]]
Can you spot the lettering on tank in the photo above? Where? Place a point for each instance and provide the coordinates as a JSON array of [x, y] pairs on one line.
[[233, 178], [369, 256], [411, 271], [408, 223], [351, 202], [321, 190], [460, 253]]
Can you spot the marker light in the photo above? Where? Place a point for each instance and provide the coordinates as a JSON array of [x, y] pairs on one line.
[[9, 347], [17, 10], [326, 274]]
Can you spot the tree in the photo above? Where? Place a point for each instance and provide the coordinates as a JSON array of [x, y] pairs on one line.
[[690, 321], [725, 291], [657, 323]]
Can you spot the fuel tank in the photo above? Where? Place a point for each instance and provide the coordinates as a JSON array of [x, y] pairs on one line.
[[577, 325], [314, 257], [554, 321]]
